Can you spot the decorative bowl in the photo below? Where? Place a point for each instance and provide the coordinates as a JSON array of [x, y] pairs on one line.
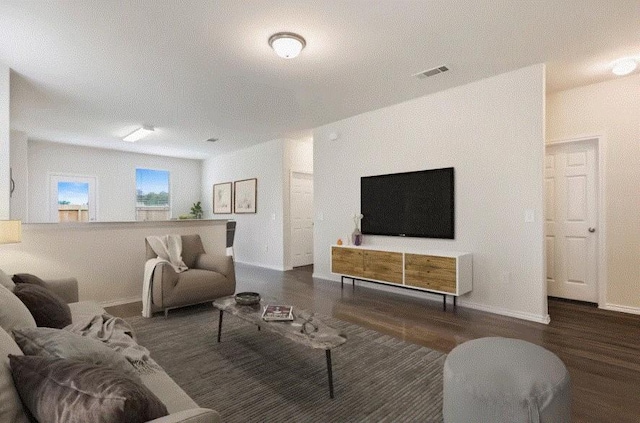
[[247, 298]]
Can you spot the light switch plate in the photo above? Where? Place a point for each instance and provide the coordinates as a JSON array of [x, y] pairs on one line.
[[529, 216]]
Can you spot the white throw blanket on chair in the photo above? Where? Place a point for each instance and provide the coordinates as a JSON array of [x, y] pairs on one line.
[[169, 251]]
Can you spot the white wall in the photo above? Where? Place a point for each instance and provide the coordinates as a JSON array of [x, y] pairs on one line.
[[261, 239], [116, 178], [5, 124], [299, 155], [610, 109], [106, 258], [492, 132], [20, 174], [258, 239]]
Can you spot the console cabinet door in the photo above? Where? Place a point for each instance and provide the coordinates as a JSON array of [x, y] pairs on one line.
[[431, 272], [347, 261], [383, 266]]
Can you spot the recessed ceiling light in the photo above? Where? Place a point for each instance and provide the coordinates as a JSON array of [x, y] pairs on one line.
[[139, 133], [287, 44], [624, 66]]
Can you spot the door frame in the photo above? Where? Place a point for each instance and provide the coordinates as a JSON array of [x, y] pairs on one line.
[[292, 172], [599, 141]]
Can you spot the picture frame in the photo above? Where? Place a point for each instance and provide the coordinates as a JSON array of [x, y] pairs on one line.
[[245, 196], [222, 203]]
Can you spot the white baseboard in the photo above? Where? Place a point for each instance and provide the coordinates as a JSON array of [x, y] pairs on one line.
[[265, 266], [435, 297], [332, 278], [506, 312], [621, 308], [120, 301]]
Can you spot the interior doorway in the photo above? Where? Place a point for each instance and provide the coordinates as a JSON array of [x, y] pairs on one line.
[[573, 240], [72, 198], [301, 203]]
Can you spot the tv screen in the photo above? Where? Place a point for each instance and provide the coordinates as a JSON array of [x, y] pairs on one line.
[[415, 204]]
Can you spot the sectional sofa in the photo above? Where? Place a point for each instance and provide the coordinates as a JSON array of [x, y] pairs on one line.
[[180, 407]]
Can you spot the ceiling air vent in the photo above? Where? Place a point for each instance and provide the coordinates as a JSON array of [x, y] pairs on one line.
[[213, 139], [431, 72]]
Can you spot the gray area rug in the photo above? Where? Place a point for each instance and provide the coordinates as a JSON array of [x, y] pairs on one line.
[[257, 376]]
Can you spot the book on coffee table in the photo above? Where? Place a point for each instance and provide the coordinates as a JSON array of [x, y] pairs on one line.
[[274, 313]]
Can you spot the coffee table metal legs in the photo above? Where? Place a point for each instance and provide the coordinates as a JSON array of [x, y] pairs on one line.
[[330, 373], [220, 326], [327, 352]]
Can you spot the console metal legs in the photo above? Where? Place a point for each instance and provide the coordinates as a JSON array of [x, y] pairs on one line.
[[353, 282]]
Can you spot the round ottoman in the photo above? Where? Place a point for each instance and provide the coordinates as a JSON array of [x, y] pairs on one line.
[[505, 380]]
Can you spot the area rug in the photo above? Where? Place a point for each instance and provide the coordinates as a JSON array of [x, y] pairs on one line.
[[257, 376]]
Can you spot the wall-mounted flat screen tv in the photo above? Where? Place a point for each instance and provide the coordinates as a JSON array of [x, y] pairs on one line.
[[414, 204]]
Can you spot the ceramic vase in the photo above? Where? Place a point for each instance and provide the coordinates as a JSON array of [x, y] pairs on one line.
[[356, 237]]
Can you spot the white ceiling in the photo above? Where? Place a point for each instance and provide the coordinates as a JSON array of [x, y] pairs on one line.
[[90, 71]]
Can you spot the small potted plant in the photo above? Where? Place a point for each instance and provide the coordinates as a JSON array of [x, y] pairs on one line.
[[196, 210]]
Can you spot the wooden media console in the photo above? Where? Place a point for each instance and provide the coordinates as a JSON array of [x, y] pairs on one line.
[[439, 272]]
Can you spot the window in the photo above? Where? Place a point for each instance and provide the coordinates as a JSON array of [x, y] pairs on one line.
[[152, 194], [72, 198]]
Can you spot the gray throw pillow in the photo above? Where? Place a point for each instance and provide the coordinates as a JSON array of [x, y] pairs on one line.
[[28, 278], [58, 390], [11, 409], [47, 309], [5, 280], [60, 343], [13, 313]]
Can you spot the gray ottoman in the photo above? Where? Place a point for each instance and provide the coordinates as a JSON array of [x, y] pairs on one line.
[[505, 380]]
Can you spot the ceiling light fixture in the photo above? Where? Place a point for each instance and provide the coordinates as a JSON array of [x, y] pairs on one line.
[[139, 133], [624, 66], [287, 44]]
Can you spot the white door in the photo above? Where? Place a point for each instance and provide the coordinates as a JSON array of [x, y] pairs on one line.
[[571, 218], [301, 219], [72, 198]]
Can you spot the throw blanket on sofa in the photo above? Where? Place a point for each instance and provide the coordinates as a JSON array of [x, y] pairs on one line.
[[169, 251], [117, 334]]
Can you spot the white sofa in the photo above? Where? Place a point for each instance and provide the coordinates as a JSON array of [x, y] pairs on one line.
[[180, 406]]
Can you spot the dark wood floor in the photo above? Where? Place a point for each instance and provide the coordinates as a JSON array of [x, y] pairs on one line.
[[601, 349]]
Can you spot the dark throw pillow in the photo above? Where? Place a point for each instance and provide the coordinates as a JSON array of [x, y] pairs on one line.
[[47, 309], [28, 278], [58, 390]]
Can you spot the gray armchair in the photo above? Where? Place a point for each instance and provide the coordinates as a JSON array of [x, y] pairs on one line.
[[209, 277]]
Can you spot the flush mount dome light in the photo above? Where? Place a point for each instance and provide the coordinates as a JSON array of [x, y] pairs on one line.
[[287, 44], [624, 66]]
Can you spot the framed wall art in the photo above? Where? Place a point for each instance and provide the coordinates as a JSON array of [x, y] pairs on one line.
[[222, 198], [245, 195]]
